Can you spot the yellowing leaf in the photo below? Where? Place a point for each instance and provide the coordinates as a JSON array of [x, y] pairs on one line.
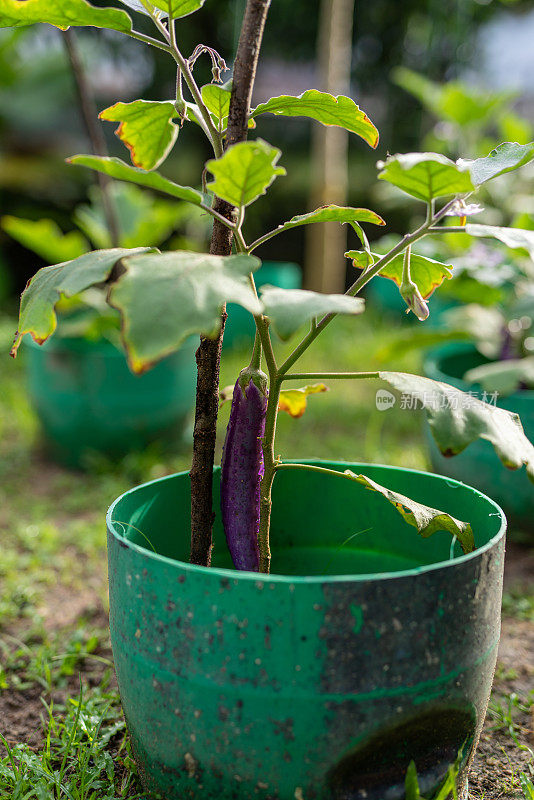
[[294, 401], [146, 128]]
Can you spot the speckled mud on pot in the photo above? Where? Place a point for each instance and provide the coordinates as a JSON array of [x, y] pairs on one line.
[[321, 682]]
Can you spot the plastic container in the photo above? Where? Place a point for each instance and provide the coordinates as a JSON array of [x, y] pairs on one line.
[[478, 465], [87, 399], [322, 682]]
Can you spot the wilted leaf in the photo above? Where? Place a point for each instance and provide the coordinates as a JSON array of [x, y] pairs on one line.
[[427, 273], [457, 419], [427, 520], [164, 298], [514, 238], [504, 158], [294, 401], [62, 14], [289, 309], [325, 108], [43, 291], [45, 238], [116, 168], [146, 128], [425, 175], [244, 172]]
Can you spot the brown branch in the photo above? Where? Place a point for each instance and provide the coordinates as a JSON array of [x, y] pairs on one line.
[[94, 132], [209, 352]]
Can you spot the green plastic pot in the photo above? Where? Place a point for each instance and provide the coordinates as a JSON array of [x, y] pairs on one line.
[[87, 399], [478, 465], [369, 647], [240, 328]]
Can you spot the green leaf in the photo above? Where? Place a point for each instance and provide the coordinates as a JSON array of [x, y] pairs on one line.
[[427, 273], [217, 100], [62, 14], [504, 377], [44, 290], [427, 520], [452, 101], [527, 786], [143, 219], [116, 168], [504, 158], [164, 298], [425, 175], [339, 111], [289, 309], [457, 419], [333, 213], [411, 784], [294, 401], [514, 238], [146, 128], [244, 172], [45, 238], [180, 8]]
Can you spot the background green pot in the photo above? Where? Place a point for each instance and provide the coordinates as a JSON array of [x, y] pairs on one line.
[[478, 465], [372, 649], [86, 398], [240, 328]]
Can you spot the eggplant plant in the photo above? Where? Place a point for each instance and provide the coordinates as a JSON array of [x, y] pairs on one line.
[[163, 298]]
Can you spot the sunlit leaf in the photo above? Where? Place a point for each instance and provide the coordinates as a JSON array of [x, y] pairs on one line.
[[294, 401], [333, 213], [43, 291], [456, 419], [217, 100], [411, 783], [504, 158], [289, 309], [118, 169], [514, 238], [164, 298], [180, 8], [244, 172], [146, 128], [62, 14], [325, 108], [425, 175], [44, 237], [427, 273]]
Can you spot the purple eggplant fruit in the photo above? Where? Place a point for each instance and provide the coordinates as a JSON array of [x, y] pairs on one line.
[[242, 469]]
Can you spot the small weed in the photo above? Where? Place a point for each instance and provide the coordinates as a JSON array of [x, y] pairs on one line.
[[85, 755], [518, 605]]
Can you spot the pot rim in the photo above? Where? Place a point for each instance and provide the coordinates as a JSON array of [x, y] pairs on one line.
[[434, 357], [311, 579]]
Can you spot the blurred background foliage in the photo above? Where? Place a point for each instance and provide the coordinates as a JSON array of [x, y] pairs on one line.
[[401, 51]]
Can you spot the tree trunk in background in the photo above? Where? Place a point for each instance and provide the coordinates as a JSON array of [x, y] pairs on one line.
[[326, 243]]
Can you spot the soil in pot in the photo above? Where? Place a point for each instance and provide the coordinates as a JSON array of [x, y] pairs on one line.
[[373, 648], [87, 399], [478, 465]]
